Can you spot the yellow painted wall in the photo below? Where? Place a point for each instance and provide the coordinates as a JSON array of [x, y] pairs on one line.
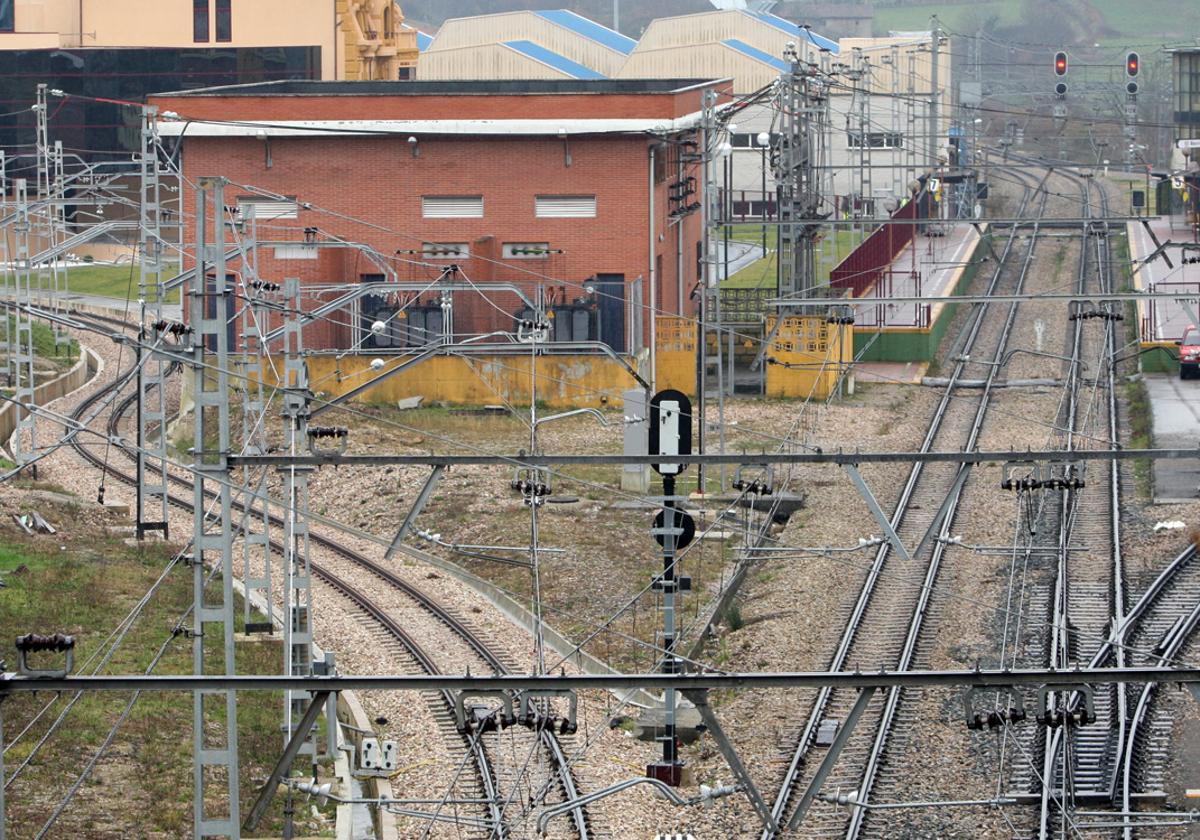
[[568, 381], [676, 354], [818, 348], [168, 23]]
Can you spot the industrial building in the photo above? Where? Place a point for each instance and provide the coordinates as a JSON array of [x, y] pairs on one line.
[[110, 51], [879, 132], [746, 46], [1185, 76], [560, 194], [551, 44]]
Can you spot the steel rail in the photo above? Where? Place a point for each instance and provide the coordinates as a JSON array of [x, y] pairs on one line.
[[1058, 650], [483, 769], [792, 774], [1170, 647], [1057, 742], [917, 622], [486, 774]]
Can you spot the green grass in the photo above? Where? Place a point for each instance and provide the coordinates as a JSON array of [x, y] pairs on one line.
[[80, 582], [1141, 436], [1124, 21], [44, 347], [1148, 17], [958, 17], [760, 274], [115, 281]]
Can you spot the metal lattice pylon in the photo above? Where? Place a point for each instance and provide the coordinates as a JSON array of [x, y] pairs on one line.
[[6, 264], [297, 397], [215, 761], [255, 525], [152, 404], [21, 330], [802, 99]]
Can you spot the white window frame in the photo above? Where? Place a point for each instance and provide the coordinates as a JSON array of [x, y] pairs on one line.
[[564, 206], [452, 206], [891, 140], [268, 209]]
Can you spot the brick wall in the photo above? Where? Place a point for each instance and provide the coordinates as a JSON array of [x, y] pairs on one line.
[[378, 180]]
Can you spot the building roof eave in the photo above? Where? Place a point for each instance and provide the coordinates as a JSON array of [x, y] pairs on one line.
[[366, 128]]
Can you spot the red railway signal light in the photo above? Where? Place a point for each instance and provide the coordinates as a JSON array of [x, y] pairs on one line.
[[1060, 64], [1131, 64]]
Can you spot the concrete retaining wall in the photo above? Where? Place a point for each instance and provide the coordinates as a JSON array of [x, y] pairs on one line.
[[351, 711], [564, 381], [74, 379]]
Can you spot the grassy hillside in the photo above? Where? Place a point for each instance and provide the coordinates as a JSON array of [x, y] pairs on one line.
[[1106, 21], [959, 17]]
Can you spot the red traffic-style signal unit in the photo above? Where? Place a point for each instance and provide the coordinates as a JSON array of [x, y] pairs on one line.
[[1132, 65], [1060, 64]]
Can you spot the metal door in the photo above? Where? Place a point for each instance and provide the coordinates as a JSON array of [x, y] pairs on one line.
[[610, 301]]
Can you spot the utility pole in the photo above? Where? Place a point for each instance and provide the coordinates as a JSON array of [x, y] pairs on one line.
[[670, 434], [214, 730], [297, 399], [708, 134], [935, 37], [802, 100], [22, 331], [256, 514], [151, 489]]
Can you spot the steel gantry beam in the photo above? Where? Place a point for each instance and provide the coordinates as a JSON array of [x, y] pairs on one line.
[[655, 682], [741, 458]]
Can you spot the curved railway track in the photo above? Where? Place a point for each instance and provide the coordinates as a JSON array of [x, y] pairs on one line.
[[487, 775]]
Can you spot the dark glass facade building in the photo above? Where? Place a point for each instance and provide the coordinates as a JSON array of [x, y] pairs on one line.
[[1185, 67], [99, 130]]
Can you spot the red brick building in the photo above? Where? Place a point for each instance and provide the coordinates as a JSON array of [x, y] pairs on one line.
[[571, 191]]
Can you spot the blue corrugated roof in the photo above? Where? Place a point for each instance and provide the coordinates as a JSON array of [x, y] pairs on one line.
[[819, 41], [423, 40], [589, 29], [755, 53], [553, 59]]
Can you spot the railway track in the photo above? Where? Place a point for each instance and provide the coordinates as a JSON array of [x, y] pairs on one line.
[[1078, 761], [1119, 756], [1165, 619], [886, 622], [488, 777]]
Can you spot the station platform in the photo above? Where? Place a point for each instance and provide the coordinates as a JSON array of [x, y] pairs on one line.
[[1173, 402], [1161, 322], [932, 267]]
